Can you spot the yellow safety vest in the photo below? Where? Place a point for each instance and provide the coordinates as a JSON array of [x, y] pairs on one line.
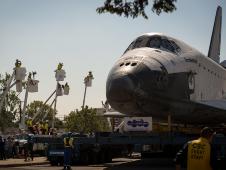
[[68, 142], [199, 155], [41, 125], [46, 126], [29, 123]]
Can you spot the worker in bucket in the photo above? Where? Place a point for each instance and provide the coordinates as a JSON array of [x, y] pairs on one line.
[[46, 127], [30, 125], [198, 154], [68, 145]]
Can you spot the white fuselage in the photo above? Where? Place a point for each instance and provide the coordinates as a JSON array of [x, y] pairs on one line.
[[209, 77], [153, 79]]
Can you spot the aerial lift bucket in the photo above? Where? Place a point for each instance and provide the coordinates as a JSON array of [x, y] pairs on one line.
[[66, 90], [59, 91], [33, 86], [60, 75], [20, 73]]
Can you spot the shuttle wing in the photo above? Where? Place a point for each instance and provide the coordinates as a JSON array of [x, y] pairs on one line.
[[209, 112], [217, 104]]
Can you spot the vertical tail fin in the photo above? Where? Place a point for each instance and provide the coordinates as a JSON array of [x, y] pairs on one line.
[[215, 43]]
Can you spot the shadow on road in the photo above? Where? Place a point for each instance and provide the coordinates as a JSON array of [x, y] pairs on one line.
[[144, 164]]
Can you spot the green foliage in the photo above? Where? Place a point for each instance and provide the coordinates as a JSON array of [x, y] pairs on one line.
[[38, 106], [45, 113], [10, 109], [86, 121], [160, 6], [135, 8]]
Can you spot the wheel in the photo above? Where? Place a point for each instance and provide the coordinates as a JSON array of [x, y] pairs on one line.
[[93, 157], [108, 156], [84, 158], [101, 157]]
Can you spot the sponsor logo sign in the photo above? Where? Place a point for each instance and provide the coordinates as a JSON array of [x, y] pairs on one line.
[[138, 124]]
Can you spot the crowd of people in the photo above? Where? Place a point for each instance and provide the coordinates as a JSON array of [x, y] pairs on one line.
[[9, 148], [41, 127]]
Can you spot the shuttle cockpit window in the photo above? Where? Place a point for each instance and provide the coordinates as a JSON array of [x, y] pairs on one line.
[[157, 42], [138, 43], [176, 47], [141, 42], [167, 45], [163, 44]]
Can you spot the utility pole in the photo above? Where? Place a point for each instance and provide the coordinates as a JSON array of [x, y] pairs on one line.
[[88, 83], [60, 74], [60, 90], [31, 86], [84, 97], [55, 103], [22, 122]]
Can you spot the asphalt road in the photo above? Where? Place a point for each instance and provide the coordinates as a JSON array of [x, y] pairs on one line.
[[117, 164]]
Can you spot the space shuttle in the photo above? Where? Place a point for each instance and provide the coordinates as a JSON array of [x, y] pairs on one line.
[[159, 75]]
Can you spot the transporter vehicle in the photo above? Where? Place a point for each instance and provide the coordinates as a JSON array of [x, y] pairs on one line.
[[102, 147]]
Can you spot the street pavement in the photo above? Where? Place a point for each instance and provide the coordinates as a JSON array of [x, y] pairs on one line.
[[14, 162], [117, 164]]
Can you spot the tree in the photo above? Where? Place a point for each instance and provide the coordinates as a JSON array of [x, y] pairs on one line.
[[9, 113], [135, 8], [45, 113], [86, 121]]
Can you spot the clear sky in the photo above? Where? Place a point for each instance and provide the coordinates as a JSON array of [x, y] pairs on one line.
[[42, 33]]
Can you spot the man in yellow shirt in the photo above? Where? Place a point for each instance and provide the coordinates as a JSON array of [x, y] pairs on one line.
[[197, 153], [68, 145]]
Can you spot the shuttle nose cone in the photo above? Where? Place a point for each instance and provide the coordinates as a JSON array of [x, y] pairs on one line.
[[120, 88]]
